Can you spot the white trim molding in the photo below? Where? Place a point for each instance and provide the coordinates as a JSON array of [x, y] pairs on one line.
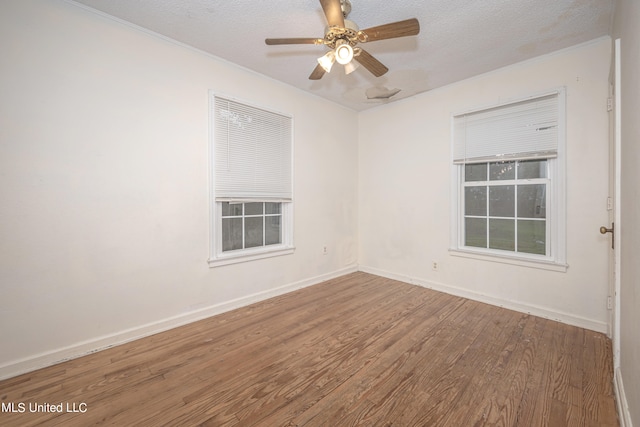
[[558, 316], [84, 348], [624, 416], [524, 262]]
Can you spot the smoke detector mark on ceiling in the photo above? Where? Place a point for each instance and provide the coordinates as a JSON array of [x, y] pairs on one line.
[[380, 92]]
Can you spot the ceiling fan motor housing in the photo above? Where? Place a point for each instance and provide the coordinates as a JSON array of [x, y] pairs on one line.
[[350, 34]]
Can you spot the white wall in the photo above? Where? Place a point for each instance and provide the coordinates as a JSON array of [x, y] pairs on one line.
[[404, 196], [103, 182], [627, 28], [104, 185]]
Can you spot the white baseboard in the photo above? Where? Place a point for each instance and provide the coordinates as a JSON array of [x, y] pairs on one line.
[[84, 348], [535, 310], [621, 400]]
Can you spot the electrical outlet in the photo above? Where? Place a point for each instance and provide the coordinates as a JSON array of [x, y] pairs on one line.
[[434, 265], [324, 250]]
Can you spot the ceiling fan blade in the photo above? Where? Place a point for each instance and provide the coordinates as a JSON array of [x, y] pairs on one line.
[[409, 27], [317, 73], [298, 40], [333, 12], [376, 67]]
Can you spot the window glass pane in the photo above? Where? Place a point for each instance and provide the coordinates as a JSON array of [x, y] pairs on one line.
[[253, 208], [502, 234], [532, 237], [475, 172], [475, 201], [231, 234], [502, 201], [475, 232], [272, 208], [229, 209], [253, 232], [532, 169], [272, 230], [532, 201], [502, 170]]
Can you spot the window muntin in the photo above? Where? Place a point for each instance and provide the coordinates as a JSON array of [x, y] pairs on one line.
[[250, 225], [505, 206]]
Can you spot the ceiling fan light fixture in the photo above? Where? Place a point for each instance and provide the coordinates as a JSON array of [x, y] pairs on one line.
[[326, 61], [350, 67], [344, 53], [342, 36]]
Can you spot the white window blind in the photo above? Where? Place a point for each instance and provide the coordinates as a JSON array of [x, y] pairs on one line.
[[521, 130], [253, 149]]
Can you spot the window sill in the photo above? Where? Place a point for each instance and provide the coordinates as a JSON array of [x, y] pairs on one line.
[[523, 262], [245, 256]]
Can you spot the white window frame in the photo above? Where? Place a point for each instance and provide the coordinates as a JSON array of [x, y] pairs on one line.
[[218, 257], [555, 259]]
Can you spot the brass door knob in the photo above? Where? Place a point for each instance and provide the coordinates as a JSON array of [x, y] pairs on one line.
[[605, 230]]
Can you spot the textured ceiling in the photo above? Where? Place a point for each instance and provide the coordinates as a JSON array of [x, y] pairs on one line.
[[458, 38]]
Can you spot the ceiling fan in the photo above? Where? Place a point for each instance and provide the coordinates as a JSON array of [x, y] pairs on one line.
[[342, 37]]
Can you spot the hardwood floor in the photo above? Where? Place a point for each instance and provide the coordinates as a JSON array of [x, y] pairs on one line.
[[357, 350]]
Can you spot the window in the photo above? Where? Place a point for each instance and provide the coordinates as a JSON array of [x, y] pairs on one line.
[[251, 207], [250, 225], [505, 206], [508, 181]]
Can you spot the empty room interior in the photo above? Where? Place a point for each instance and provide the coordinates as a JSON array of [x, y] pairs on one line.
[[422, 213]]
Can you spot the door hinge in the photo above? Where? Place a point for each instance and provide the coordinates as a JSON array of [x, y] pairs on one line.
[[609, 104]]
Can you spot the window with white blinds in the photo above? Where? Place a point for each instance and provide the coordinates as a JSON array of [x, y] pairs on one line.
[[252, 152], [251, 182], [520, 130], [508, 164]]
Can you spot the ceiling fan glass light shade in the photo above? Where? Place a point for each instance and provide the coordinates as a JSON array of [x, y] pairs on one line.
[[350, 67], [326, 61], [344, 53]]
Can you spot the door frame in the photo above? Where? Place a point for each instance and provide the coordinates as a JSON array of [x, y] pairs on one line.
[[616, 217]]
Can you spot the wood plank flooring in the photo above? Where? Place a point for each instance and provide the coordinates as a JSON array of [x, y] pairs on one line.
[[357, 350]]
